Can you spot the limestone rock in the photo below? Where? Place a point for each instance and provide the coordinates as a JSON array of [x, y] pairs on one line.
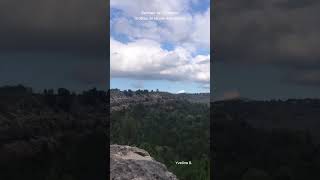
[[132, 163]]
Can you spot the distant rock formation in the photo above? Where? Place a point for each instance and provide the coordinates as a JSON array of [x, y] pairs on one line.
[[132, 163], [123, 99]]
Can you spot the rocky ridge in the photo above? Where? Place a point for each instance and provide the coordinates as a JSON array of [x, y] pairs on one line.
[[122, 99], [132, 163]]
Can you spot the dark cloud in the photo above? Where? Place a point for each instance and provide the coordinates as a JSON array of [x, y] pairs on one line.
[[294, 4], [77, 26], [94, 73], [230, 95], [279, 32], [54, 43], [305, 77]]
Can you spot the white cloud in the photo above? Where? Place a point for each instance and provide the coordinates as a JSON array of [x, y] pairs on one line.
[[181, 91], [142, 30], [145, 59], [201, 34], [135, 7], [192, 32]]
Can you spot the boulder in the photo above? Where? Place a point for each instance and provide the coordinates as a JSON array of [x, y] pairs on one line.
[[132, 163]]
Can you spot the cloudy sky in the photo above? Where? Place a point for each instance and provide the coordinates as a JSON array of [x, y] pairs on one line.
[[263, 50], [266, 49], [54, 43], [160, 44]]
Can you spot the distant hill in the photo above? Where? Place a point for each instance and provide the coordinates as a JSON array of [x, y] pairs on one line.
[[122, 99], [294, 114], [52, 135], [274, 140]]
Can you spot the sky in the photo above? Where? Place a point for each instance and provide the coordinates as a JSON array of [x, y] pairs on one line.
[[54, 43], [262, 50], [266, 50], [160, 44]]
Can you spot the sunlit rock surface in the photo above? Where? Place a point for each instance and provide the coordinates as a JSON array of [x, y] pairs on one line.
[[132, 163]]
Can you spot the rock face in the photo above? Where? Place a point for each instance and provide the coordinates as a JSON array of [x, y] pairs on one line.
[[132, 163]]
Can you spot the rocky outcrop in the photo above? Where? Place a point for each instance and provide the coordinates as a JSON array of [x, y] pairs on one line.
[[132, 163], [120, 100]]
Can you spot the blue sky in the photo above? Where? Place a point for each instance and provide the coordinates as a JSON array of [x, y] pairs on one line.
[[124, 83], [169, 55]]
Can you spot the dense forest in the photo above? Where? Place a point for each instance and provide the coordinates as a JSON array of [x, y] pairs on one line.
[[58, 134], [170, 130], [55, 134], [266, 140]]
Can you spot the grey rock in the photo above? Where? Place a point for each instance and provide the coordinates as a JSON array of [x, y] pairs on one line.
[[132, 163]]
